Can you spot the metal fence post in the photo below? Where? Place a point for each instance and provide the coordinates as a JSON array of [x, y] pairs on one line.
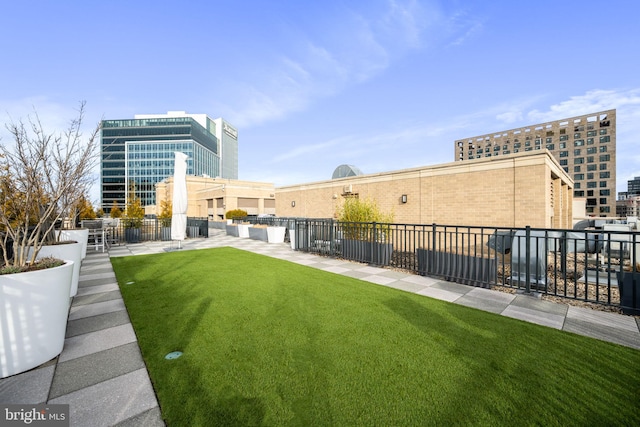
[[527, 257], [432, 255]]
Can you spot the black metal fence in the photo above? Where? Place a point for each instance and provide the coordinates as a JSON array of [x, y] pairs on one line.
[[599, 266], [150, 229]]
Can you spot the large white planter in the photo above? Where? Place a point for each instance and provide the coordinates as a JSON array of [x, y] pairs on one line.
[[275, 234], [79, 235], [70, 251], [34, 307], [243, 230]]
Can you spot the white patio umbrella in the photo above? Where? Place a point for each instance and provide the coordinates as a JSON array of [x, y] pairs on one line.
[[179, 217]]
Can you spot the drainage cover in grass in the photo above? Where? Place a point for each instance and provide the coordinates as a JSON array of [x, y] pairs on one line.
[[173, 355]]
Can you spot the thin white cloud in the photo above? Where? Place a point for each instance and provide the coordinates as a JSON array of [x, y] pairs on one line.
[[590, 102], [361, 45]]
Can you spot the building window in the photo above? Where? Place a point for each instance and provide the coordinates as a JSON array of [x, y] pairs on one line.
[[563, 137], [564, 154], [527, 143], [578, 177], [589, 159], [548, 140], [605, 193], [605, 175], [603, 184], [577, 185], [604, 209], [591, 150], [605, 139], [590, 175], [550, 147], [566, 169], [592, 167], [578, 160], [591, 133], [603, 167], [576, 168], [603, 148], [589, 141], [576, 135], [579, 193], [592, 184], [603, 131], [563, 145], [578, 143], [603, 201], [605, 157], [563, 162], [576, 152], [590, 194]]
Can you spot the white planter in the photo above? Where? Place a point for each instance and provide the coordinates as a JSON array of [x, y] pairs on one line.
[[276, 234], [243, 230], [34, 307], [70, 251], [79, 235], [292, 238]]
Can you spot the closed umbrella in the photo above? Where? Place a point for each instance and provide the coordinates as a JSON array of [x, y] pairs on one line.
[[179, 217]]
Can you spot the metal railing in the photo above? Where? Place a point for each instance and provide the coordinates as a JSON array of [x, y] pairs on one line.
[[150, 229], [585, 265]]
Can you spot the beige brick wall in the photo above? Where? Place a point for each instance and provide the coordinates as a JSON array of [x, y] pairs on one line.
[[216, 196], [510, 191]]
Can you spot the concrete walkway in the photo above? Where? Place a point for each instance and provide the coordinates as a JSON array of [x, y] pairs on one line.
[[101, 373]]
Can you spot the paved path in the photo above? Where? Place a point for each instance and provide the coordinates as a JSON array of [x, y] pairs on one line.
[[101, 373]]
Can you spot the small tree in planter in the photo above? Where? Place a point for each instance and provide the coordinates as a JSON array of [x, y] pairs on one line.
[[166, 212], [116, 212], [366, 231], [232, 229], [133, 217], [39, 176]]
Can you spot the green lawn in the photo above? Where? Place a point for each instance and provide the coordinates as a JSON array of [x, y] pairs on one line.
[[268, 342]]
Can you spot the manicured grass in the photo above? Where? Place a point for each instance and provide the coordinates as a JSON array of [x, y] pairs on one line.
[[268, 342]]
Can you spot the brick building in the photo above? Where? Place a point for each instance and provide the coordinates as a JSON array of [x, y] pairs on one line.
[[585, 147], [515, 190]]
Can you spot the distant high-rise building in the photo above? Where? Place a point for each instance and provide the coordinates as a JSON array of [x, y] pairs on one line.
[[138, 153], [628, 203], [633, 186], [585, 146]]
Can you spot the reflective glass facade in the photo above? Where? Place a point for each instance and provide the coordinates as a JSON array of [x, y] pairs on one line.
[[140, 151]]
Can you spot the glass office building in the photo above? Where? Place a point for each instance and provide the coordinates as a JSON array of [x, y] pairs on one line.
[[139, 153]]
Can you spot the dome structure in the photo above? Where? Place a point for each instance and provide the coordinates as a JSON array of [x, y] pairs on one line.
[[344, 171]]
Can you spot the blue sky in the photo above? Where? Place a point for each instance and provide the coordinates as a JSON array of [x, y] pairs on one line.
[[383, 85]]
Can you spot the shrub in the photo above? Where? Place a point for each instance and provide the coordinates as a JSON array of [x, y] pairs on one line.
[[236, 213], [359, 216]]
